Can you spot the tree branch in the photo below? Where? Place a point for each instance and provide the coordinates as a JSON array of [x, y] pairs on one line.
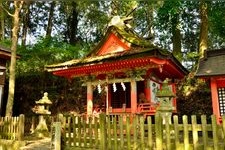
[[6, 11]]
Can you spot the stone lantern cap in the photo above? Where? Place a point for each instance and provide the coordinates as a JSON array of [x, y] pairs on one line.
[[44, 100], [165, 91]]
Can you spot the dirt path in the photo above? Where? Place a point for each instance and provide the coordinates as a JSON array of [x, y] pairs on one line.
[[38, 144]]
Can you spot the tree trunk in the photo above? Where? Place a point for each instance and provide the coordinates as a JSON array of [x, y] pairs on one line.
[[50, 18], [149, 13], [25, 24], [12, 68], [203, 40], [176, 36], [72, 24], [2, 28]]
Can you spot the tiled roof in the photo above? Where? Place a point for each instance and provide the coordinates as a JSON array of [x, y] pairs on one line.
[[213, 63]]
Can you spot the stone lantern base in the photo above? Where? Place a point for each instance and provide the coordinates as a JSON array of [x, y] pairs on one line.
[[42, 129]]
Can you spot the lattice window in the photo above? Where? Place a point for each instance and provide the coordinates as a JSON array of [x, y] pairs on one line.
[[221, 95]]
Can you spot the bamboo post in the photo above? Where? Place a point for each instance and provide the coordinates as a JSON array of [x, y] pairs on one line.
[[176, 131], [158, 132], [84, 124], [142, 132], [79, 131], [74, 120], [102, 131], [109, 133], [194, 131], [223, 127], [186, 133], [215, 134], [128, 133], [167, 127], [150, 138], [135, 125], [90, 131], [21, 127], [115, 133], [204, 132], [69, 130], [96, 126], [121, 132]]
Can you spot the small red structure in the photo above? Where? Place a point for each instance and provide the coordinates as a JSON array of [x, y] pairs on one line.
[[5, 55], [123, 66], [211, 68]]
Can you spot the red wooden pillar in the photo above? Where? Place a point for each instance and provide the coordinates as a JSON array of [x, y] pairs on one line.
[[89, 98], [109, 96], [215, 99], [148, 90], [133, 96]]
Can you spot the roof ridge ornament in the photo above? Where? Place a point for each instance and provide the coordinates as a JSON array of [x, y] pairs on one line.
[[122, 21]]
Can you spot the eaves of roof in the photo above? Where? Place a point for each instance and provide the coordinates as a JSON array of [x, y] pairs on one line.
[[94, 60], [212, 64]]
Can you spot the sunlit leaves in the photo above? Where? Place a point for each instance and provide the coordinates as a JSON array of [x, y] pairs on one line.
[[47, 51]]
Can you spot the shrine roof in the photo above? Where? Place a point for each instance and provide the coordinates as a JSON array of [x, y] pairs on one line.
[[127, 34], [113, 57], [128, 48], [138, 46], [5, 53], [212, 64]]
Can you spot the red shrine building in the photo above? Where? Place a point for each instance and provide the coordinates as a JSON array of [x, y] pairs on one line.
[[126, 70], [5, 55], [211, 68]]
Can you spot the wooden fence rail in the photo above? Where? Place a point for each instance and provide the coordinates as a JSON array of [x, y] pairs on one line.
[[12, 128], [137, 132]]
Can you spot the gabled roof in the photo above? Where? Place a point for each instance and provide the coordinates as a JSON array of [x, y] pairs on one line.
[[212, 64], [127, 35], [134, 52], [136, 45]]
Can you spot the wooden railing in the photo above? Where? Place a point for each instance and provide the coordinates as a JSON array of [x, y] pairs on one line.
[[12, 128], [136, 132], [147, 108]]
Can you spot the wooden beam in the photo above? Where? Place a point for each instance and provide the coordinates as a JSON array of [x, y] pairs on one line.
[[111, 81]]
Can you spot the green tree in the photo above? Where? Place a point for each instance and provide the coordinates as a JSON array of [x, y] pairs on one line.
[[169, 18], [25, 22], [203, 39], [12, 70], [2, 23]]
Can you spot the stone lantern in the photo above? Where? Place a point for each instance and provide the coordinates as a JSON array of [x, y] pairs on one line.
[[165, 96], [42, 109]]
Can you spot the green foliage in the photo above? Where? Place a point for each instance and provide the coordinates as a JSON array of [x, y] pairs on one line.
[[46, 51], [32, 80], [217, 18], [6, 43], [194, 97], [93, 17]]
